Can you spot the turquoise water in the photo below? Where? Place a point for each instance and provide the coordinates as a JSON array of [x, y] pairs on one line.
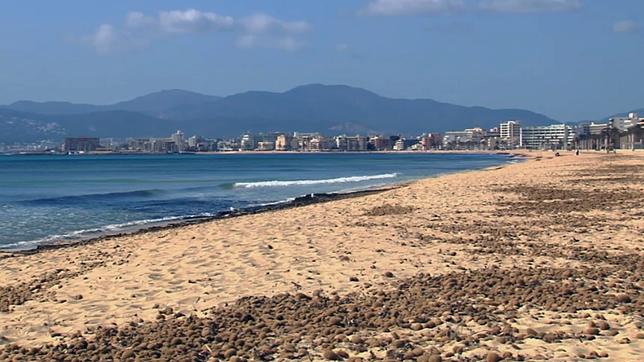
[[47, 199]]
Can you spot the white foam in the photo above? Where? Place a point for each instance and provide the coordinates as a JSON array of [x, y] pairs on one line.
[[112, 228], [286, 201], [338, 180]]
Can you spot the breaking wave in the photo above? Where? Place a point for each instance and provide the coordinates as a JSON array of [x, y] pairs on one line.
[[276, 183]]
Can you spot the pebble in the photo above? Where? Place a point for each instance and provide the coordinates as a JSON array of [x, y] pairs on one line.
[[492, 357], [330, 355]]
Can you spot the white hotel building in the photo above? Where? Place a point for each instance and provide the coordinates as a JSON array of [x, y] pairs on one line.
[[510, 134], [556, 136]]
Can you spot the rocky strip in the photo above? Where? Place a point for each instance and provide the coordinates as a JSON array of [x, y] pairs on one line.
[[417, 320], [18, 294]]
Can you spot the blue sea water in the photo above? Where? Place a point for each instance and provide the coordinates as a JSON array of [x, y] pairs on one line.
[[46, 199]]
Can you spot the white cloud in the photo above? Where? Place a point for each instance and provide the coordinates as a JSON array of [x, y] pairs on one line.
[[136, 19], [626, 26], [193, 21], [103, 39], [262, 23], [265, 31], [530, 6], [411, 7], [255, 31]]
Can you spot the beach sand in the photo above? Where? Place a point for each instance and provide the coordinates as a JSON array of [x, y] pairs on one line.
[[541, 259]]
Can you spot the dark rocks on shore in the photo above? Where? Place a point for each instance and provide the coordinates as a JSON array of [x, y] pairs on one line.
[[493, 357], [261, 328], [18, 294]]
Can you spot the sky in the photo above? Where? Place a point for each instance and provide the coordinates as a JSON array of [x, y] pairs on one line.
[[569, 59]]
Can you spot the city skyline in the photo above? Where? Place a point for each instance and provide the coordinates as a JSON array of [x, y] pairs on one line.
[[569, 59], [617, 132]]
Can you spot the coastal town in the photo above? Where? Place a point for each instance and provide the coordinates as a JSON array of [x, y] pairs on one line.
[[355, 181], [615, 133]]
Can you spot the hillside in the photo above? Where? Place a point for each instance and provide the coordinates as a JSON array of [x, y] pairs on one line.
[[323, 108]]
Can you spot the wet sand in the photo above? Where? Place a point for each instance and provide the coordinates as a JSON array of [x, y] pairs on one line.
[[536, 260]]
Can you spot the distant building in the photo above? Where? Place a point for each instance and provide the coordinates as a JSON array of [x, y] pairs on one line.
[[492, 139], [399, 145], [467, 139], [163, 145], [306, 141], [378, 143], [283, 142], [430, 141], [510, 134], [351, 143], [247, 142], [621, 124], [81, 144], [179, 141], [265, 146], [194, 141], [556, 136], [358, 143], [633, 136]]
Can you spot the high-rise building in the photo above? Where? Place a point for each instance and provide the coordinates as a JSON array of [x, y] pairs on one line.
[[379, 143], [179, 140], [510, 134], [81, 144], [283, 142], [247, 142]]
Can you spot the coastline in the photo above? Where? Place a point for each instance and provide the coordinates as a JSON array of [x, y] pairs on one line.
[[556, 235], [298, 201], [274, 152]]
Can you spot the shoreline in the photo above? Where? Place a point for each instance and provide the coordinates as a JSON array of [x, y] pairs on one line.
[[298, 201], [273, 152], [537, 260]]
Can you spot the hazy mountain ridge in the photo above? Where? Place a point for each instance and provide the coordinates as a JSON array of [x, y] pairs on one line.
[[18, 126], [314, 107], [324, 108], [153, 104]]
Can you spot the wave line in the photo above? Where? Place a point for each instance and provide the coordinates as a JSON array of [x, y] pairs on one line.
[[277, 183]]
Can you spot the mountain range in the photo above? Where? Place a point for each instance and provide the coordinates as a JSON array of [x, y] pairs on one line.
[[330, 109]]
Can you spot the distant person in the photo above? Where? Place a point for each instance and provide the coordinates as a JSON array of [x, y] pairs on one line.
[[577, 152]]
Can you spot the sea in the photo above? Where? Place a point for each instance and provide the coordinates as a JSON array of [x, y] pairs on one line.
[[47, 199]]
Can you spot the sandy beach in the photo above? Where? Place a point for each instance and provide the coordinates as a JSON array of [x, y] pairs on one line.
[[536, 260]]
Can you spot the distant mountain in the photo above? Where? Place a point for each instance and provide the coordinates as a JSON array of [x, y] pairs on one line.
[[52, 107], [155, 104], [159, 102], [20, 127], [328, 109], [30, 127], [323, 108], [119, 124]]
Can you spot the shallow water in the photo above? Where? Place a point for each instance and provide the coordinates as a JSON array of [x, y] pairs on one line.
[[54, 198]]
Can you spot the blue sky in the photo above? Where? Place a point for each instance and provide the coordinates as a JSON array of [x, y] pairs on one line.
[[569, 59]]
